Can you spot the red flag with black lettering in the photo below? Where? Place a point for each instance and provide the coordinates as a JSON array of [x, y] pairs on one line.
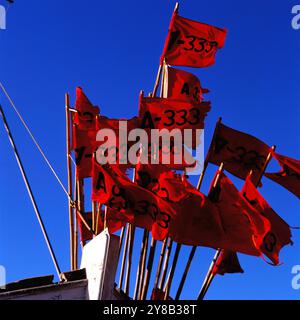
[[227, 262], [85, 116], [280, 232], [84, 145], [113, 188], [163, 113], [289, 176], [182, 85], [239, 151], [191, 43]]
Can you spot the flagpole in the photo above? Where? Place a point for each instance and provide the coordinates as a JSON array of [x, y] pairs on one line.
[[139, 271], [30, 193], [186, 270], [172, 271], [149, 269], [160, 263], [209, 276], [160, 68], [70, 187], [143, 268], [129, 260], [166, 263], [269, 158], [194, 248], [125, 248]]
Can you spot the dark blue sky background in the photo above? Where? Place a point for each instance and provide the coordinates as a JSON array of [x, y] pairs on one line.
[[112, 49]]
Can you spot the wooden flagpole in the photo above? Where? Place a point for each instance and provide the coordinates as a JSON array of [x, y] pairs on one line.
[[166, 264], [30, 193], [129, 260], [125, 249], [70, 186], [185, 273], [194, 248], [160, 262], [172, 271], [143, 267], [149, 269], [139, 271]]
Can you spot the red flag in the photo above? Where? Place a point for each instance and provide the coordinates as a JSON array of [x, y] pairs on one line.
[[280, 233], [240, 152], [227, 262], [147, 175], [117, 148], [84, 145], [86, 113], [112, 188], [289, 176], [192, 44], [160, 113], [244, 226], [182, 85]]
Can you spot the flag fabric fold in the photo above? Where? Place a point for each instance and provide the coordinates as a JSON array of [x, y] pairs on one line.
[[279, 234], [182, 85], [227, 262], [289, 176]]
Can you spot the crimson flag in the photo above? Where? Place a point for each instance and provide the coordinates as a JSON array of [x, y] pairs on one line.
[[86, 113], [240, 152], [279, 234], [227, 262], [182, 85], [84, 145], [244, 226], [143, 208], [289, 176], [160, 113], [191, 43]]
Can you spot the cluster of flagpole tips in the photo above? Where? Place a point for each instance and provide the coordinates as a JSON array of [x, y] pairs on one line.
[[159, 198]]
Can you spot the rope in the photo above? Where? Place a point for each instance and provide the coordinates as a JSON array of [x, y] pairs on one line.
[[34, 140]]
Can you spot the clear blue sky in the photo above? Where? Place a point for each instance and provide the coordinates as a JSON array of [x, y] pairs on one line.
[[112, 50]]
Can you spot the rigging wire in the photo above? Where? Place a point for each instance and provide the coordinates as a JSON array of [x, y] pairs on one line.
[[34, 140]]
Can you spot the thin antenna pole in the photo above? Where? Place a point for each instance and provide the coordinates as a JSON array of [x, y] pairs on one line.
[[70, 186], [29, 190]]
